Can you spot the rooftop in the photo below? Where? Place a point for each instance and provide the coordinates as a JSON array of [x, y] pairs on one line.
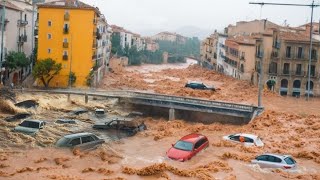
[[10, 6], [71, 4], [295, 36]]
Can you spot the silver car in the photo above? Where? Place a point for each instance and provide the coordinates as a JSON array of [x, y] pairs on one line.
[[30, 127], [83, 141], [275, 161]]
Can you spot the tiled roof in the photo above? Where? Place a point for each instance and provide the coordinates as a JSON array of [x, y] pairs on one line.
[[10, 6], [73, 4], [242, 39], [295, 36]]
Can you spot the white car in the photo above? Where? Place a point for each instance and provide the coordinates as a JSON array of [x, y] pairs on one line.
[[246, 139], [275, 161]]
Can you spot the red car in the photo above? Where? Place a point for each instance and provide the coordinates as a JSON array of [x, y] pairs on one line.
[[187, 147]]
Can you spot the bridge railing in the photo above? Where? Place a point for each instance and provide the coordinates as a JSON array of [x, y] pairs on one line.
[[144, 95]]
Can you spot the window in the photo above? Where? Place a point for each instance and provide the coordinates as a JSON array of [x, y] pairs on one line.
[[200, 143], [286, 67], [289, 160], [313, 70], [298, 69], [273, 67], [235, 138], [314, 54], [274, 159], [25, 17], [288, 52], [300, 51], [65, 53], [49, 36], [86, 139], [248, 140], [262, 158], [65, 40], [75, 142], [49, 51], [49, 23]]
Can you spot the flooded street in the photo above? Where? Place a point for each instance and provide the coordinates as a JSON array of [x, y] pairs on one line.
[[288, 126]]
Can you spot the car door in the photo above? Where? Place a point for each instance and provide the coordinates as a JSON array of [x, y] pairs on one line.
[[248, 141], [274, 162], [198, 146], [75, 142], [87, 142]]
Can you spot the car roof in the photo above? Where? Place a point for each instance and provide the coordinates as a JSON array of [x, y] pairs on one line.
[[192, 137], [195, 82], [69, 136], [246, 135], [277, 155], [34, 120], [99, 109]]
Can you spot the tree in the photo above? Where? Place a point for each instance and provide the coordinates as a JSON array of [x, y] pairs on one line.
[[15, 60], [72, 78], [46, 70]]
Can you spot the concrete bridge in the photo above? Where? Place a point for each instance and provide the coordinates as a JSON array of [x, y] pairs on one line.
[[244, 113]]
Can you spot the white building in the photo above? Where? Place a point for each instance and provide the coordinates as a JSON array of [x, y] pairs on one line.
[[221, 51]]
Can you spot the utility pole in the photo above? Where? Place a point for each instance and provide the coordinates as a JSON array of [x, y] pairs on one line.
[[310, 51], [2, 36]]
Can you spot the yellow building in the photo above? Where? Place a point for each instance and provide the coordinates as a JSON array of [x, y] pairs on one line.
[[67, 34]]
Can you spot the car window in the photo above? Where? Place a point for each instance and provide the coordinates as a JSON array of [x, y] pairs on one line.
[[185, 146], [75, 142], [235, 138], [289, 160], [95, 137], [248, 140], [86, 139], [30, 124], [113, 123], [199, 143], [274, 159], [262, 158]]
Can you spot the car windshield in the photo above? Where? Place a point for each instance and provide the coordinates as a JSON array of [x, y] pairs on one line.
[[99, 112], [289, 160], [62, 142], [185, 146], [30, 124]]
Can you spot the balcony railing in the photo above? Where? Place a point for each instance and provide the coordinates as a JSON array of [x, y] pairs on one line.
[[273, 72], [66, 17], [22, 23], [274, 54], [22, 38], [298, 73], [65, 44], [66, 30], [65, 57]]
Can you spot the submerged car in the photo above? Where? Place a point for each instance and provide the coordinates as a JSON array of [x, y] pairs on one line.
[[130, 127], [275, 161], [27, 104], [79, 111], [199, 85], [30, 127], [83, 141], [187, 147], [66, 121], [17, 117], [246, 139], [99, 113]]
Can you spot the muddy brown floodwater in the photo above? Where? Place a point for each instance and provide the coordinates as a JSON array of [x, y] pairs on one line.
[[288, 126]]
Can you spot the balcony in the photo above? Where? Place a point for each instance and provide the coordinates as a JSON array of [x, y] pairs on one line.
[[94, 57], [273, 73], [22, 23], [66, 30], [242, 58], [22, 39], [277, 45], [94, 45], [65, 57], [98, 35], [65, 45], [36, 32], [274, 54], [66, 17]]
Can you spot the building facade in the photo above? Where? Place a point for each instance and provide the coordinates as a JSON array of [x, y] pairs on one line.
[[68, 33]]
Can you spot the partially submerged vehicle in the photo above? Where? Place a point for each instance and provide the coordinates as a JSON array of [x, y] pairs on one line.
[[27, 104], [187, 147], [275, 161], [198, 85], [79, 111], [30, 127], [82, 141], [129, 127], [246, 139], [66, 121], [17, 117], [100, 113]]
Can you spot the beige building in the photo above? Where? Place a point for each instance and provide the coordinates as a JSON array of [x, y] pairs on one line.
[[151, 45], [208, 52], [117, 64], [168, 36]]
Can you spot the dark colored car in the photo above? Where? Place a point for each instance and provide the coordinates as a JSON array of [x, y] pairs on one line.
[[27, 104], [83, 141], [187, 147], [199, 85], [17, 117], [66, 121], [79, 111], [130, 127]]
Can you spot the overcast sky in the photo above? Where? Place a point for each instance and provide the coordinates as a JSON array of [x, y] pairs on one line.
[[149, 15]]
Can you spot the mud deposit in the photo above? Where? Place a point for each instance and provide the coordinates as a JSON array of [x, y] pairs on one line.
[[143, 156]]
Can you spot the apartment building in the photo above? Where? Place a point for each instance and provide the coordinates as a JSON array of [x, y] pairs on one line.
[[71, 33], [168, 36], [151, 45], [209, 52]]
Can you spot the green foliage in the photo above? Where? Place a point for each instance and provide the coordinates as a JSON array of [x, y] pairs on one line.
[[115, 41], [45, 70], [89, 78], [15, 60], [72, 78], [190, 48], [176, 59]]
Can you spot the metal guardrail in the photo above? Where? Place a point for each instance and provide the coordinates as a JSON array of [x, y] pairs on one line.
[[143, 95]]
